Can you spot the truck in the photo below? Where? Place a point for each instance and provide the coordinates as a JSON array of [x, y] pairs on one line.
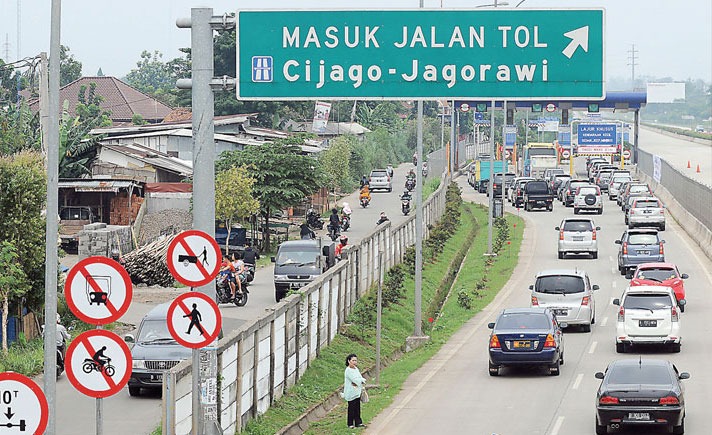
[[299, 262], [482, 173], [539, 157], [71, 221]]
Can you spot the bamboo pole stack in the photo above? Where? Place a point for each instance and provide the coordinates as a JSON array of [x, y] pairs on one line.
[[148, 264]]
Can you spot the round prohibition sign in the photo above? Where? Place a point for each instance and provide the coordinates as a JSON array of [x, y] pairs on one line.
[[565, 154], [26, 404], [194, 320], [101, 281], [626, 154], [89, 376], [194, 258]]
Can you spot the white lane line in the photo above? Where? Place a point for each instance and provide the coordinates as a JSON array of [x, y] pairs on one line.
[[604, 322], [614, 270], [614, 284], [557, 425], [610, 258], [577, 382], [593, 347]]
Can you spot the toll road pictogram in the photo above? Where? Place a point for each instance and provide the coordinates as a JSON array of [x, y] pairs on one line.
[[98, 363], [194, 320]]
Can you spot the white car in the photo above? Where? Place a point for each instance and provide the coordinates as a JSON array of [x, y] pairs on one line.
[[568, 294], [614, 185], [577, 236], [588, 198], [646, 212], [648, 314]]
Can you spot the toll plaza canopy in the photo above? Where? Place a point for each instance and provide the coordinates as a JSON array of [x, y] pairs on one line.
[[614, 100]]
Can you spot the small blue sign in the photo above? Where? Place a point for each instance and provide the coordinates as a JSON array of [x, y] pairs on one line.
[[597, 134], [565, 139], [262, 69]]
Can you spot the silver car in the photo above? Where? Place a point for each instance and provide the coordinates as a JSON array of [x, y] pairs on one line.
[[578, 236], [379, 179], [614, 185], [646, 212], [568, 293]]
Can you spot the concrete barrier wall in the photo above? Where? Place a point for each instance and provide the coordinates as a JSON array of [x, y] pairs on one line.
[[261, 360]]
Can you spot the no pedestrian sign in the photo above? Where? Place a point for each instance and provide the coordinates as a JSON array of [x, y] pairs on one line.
[[98, 290], [194, 320], [98, 363], [194, 258], [23, 404]]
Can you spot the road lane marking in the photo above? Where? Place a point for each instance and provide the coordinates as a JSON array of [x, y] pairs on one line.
[[604, 322], [577, 382], [557, 425], [610, 258], [614, 270], [593, 347], [614, 284]]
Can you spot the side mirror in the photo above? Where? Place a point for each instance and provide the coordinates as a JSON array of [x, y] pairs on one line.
[[557, 228], [129, 338], [616, 301], [273, 259], [598, 375], [662, 241], [684, 276], [682, 302], [490, 325], [531, 287], [618, 242], [684, 375], [595, 287], [598, 228]]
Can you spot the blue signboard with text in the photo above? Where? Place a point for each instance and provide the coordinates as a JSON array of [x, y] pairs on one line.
[[596, 134]]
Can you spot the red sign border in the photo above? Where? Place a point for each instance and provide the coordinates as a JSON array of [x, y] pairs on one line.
[[74, 271], [174, 333], [70, 371], [172, 267], [39, 394]]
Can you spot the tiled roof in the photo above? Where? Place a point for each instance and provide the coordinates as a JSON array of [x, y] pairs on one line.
[[120, 99]]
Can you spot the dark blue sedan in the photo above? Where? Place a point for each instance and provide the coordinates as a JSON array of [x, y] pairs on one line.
[[526, 337]]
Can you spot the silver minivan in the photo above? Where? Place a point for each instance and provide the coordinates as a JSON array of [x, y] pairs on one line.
[[577, 236], [568, 293]]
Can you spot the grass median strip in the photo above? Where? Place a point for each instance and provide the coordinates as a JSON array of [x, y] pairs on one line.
[[325, 375]]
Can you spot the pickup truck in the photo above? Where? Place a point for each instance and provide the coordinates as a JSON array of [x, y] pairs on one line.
[[538, 194], [71, 221], [299, 262]]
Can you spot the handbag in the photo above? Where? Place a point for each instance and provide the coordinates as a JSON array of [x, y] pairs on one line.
[[364, 396]]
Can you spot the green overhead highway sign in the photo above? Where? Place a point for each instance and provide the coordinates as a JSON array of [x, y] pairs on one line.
[[409, 54]]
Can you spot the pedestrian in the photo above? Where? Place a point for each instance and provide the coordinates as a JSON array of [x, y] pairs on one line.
[[353, 386]]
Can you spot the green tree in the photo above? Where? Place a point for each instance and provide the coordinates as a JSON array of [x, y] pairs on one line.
[[335, 163], [19, 129], [234, 200], [13, 282], [70, 69], [284, 175], [153, 77], [23, 186]]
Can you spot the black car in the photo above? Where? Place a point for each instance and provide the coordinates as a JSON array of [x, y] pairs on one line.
[[642, 392]]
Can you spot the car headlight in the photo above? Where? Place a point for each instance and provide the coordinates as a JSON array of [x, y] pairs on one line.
[[313, 276], [138, 364], [280, 277]]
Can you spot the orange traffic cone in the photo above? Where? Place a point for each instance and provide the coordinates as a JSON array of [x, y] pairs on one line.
[[698, 168], [688, 164]]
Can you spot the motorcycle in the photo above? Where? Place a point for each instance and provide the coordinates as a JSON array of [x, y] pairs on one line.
[[249, 272], [223, 294], [364, 201], [314, 220], [345, 222], [90, 365], [410, 184], [334, 232], [405, 206]]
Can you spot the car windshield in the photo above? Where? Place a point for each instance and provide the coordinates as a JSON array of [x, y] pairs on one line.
[[657, 274], [523, 321], [647, 301], [559, 284], [537, 187], [297, 257], [643, 239], [640, 374], [578, 226], [646, 204], [154, 331]]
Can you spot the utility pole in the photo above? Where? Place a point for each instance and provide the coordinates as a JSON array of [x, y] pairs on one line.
[[632, 64]]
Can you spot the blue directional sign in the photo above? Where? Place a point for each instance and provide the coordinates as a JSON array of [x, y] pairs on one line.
[[596, 134]]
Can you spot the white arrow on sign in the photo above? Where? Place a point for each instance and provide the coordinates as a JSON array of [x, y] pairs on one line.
[[579, 37]]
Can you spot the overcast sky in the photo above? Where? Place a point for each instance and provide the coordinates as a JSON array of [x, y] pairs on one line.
[[672, 38]]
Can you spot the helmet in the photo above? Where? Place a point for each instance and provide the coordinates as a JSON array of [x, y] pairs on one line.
[[334, 210], [343, 239], [115, 253], [345, 204]]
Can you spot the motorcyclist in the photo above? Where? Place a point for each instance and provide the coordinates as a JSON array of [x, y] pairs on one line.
[[228, 269], [346, 209], [100, 358], [343, 241], [383, 218], [415, 159], [389, 170], [305, 232], [239, 266], [250, 255], [334, 220], [364, 181], [365, 193], [406, 196], [116, 256], [62, 336], [345, 216], [411, 174]]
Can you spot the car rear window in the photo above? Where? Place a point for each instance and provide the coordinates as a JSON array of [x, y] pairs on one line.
[[647, 204], [636, 375], [379, 174], [574, 185], [537, 187], [639, 188], [643, 239], [559, 284], [649, 301], [657, 274], [588, 190], [523, 321], [578, 226]]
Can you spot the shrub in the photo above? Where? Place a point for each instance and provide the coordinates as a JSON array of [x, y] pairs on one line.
[[393, 285], [464, 299]]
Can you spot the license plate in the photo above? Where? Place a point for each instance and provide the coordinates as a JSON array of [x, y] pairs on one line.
[[638, 416], [647, 211], [157, 378], [522, 344], [298, 284], [644, 252], [647, 323], [561, 312], [578, 239]]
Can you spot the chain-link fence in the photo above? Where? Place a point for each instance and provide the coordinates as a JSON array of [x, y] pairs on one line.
[[693, 196]]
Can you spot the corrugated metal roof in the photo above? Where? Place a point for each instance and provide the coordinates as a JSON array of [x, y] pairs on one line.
[[154, 158], [96, 185]]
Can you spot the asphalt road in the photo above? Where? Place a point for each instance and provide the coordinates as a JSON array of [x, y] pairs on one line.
[[453, 392], [677, 151]]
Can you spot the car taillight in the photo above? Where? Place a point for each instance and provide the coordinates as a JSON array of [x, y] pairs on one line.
[[661, 249], [585, 301], [593, 234], [632, 211], [561, 234], [621, 314], [535, 301], [674, 315], [608, 400], [494, 342], [625, 248], [550, 341], [669, 400]]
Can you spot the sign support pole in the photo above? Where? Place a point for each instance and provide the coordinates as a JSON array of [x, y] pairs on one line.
[[504, 153], [99, 412], [491, 181]]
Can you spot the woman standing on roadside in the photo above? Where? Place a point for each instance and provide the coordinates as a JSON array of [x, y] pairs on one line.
[[353, 384]]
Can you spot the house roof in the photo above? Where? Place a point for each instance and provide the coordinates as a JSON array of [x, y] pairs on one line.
[[142, 130], [154, 158], [96, 185], [331, 129], [122, 100]]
